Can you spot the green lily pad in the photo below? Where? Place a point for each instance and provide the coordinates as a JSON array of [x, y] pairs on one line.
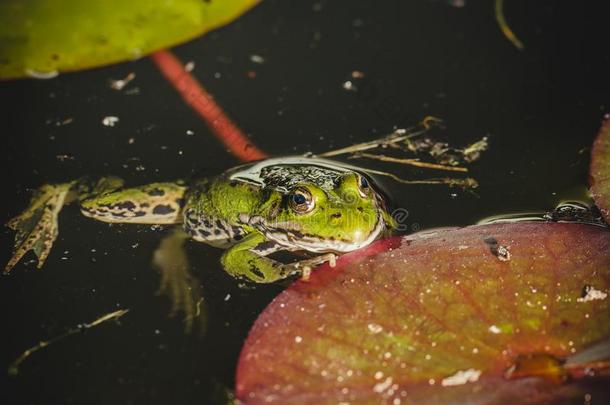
[[485, 314], [600, 169], [41, 37]]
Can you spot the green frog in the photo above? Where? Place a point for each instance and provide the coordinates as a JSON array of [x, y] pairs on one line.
[[282, 204]]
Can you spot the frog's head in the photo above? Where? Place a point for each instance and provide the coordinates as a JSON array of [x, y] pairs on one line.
[[321, 217]]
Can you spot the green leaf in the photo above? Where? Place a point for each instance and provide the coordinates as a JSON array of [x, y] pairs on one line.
[[43, 37], [485, 314], [600, 169]]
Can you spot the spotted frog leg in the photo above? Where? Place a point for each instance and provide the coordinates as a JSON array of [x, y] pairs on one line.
[[37, 226]]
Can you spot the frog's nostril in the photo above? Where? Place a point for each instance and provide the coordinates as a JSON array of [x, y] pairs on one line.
[[336, 215]]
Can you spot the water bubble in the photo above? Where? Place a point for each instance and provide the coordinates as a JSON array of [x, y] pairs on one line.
[[110, 121], [375, 328]]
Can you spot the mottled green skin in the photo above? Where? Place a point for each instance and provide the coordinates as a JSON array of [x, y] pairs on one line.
[[252, 218], [250, 211]]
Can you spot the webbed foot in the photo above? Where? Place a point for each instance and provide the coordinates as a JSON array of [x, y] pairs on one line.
[[36, 227], [177, 283]]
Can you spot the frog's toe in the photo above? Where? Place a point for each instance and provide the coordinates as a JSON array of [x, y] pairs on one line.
[[39, 240], [37, 226], [307, 265]]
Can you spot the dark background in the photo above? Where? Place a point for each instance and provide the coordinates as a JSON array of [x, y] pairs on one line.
[[540, 107]]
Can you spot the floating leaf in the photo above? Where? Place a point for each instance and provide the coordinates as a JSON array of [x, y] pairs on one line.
[[486, 314], [600, 169], [42, 37]]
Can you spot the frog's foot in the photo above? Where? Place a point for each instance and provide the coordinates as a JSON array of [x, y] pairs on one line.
[[177, 283], [36, 227], [304, 267]]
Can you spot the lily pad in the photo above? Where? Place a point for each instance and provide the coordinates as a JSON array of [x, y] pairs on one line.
[[600, 169], [490, 313], [42, 37]]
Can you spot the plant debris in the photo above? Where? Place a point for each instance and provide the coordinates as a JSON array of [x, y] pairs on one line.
[[508, 33], [410, 140], [13, 369], [121, 83]]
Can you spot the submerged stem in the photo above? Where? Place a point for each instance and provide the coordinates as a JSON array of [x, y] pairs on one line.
[[508, 33], [467, 183]]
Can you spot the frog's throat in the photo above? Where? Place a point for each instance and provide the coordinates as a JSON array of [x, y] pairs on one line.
[[292, 238]]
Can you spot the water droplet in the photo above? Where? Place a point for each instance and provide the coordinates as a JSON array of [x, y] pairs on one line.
[[375, 328], [589, 293], [461, 377], [110, 121]]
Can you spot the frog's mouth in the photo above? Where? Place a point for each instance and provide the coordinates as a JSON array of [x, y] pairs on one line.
[[290, 236]]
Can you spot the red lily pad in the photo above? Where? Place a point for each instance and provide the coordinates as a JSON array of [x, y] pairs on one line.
[[489, 313], [600, 169]]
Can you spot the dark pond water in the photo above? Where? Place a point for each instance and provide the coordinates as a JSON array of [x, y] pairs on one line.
[[540, 108]]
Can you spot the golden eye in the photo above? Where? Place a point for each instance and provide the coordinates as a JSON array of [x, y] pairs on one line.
[[301, 201], [364, 186]]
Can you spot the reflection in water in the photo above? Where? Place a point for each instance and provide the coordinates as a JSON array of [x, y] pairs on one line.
[[178, 283]]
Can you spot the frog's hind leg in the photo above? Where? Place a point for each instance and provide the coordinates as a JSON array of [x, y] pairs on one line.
[[105, 200], [155, 203], [36, 226]]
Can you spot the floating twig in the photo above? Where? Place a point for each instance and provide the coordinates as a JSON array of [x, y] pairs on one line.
[[119, 84], [472, 152], [402, 139], [14, 367], [467, 183], [508, 33], [411, 162], [398, 136]]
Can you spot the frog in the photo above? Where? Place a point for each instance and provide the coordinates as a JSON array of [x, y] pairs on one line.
[[318, 207]]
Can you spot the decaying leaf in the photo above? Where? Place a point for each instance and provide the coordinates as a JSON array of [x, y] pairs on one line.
[[484, 314]]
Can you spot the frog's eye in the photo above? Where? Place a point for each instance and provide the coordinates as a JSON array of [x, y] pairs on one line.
[[363, 186], [301, 200]]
